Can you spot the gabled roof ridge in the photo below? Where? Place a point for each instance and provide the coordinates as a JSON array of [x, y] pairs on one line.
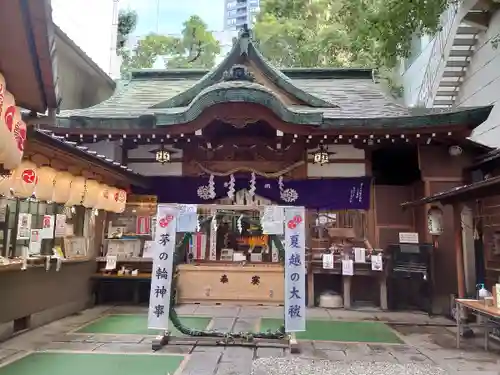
[[244, 47]]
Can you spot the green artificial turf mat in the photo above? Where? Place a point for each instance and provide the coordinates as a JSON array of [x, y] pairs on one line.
[[135, 324], [95, 364], [328, 330]]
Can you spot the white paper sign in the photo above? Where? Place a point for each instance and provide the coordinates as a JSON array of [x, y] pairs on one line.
[[408, 237], [187, 219], [111, 262], [48, 223], [347, 267], [147, 251], [328, 261], [35, 242], [161, 277], [272, 220], [213, 244], [60, 230], [377, 263], [24, 226], [295, 269], [359, 255]]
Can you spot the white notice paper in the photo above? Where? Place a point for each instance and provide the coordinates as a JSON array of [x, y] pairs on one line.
[[377, 263], [24, 226], [295, 270], [328, 261], [187, 219], [359, 255], [161, 276], [48, 223], [60, 230], [347, 267], [35, 242], [272, 220], [111, 262]]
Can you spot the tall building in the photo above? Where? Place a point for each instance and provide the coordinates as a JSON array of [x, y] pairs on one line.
[[239, 12], [93, 26]]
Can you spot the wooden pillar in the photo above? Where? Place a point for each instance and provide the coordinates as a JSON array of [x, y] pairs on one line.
[[310, 288], [346, 281], [459, 250], [383, 293]]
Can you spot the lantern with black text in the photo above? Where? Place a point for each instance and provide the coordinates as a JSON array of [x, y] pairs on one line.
[[44, 189], [435, 221], [91, 196], [25, 178], [78, 188], [112, 202], [62, 187], [103, 198]]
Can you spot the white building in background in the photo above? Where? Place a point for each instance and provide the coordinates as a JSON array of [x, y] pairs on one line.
[[92, 25], [239, 12], [460, 66]]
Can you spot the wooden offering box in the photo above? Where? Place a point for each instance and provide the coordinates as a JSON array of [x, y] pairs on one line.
[[231, 283]]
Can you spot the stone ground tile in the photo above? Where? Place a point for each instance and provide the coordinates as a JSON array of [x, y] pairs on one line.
[[70, 337], [318, 313], [261, 312], [5, 354], [215, 350], [412, 358], [370, 356], [238, 354], [269, 352], [245, 325], [223, 324], [309, 350], [124, 348], [186, 309], [133, 339], [351, 315], [218, 311], [234, 368], [77, 346], [201, 363], [466, 366]]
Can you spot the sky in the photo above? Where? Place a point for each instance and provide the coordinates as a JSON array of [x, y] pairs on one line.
[[172, 13]]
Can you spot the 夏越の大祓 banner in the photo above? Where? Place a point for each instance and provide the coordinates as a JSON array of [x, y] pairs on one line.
[[12, 129]]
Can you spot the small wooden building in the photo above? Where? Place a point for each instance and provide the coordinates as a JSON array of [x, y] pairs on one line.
[[327, 139]]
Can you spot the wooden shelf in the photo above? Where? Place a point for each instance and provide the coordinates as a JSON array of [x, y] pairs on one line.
[[141, 276]]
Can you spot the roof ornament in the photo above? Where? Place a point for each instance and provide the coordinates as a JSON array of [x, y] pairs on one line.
[[245, 35], [238, 73]]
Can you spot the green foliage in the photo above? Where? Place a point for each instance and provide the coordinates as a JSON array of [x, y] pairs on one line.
[[195, 48], [343, 33], [127, 21]]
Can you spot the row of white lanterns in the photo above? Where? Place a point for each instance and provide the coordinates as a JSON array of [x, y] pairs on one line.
[[50, 185]]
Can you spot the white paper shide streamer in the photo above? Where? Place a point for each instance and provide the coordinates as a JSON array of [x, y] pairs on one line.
[[161, 276], [253, 187], [295, 271], [231, 190]]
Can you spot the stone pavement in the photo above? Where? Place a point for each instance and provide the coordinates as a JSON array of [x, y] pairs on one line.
[[427, 342]]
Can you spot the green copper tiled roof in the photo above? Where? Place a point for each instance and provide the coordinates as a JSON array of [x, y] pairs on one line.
[[330, 97]]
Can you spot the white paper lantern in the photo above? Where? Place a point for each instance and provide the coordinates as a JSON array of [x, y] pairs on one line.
[[121, 199], [44, 189], [15, 143], [78, 187], [91, 194], [6, 185], [4, 131], [112, 202], [62, 187], [103, 198], [25, 179]]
